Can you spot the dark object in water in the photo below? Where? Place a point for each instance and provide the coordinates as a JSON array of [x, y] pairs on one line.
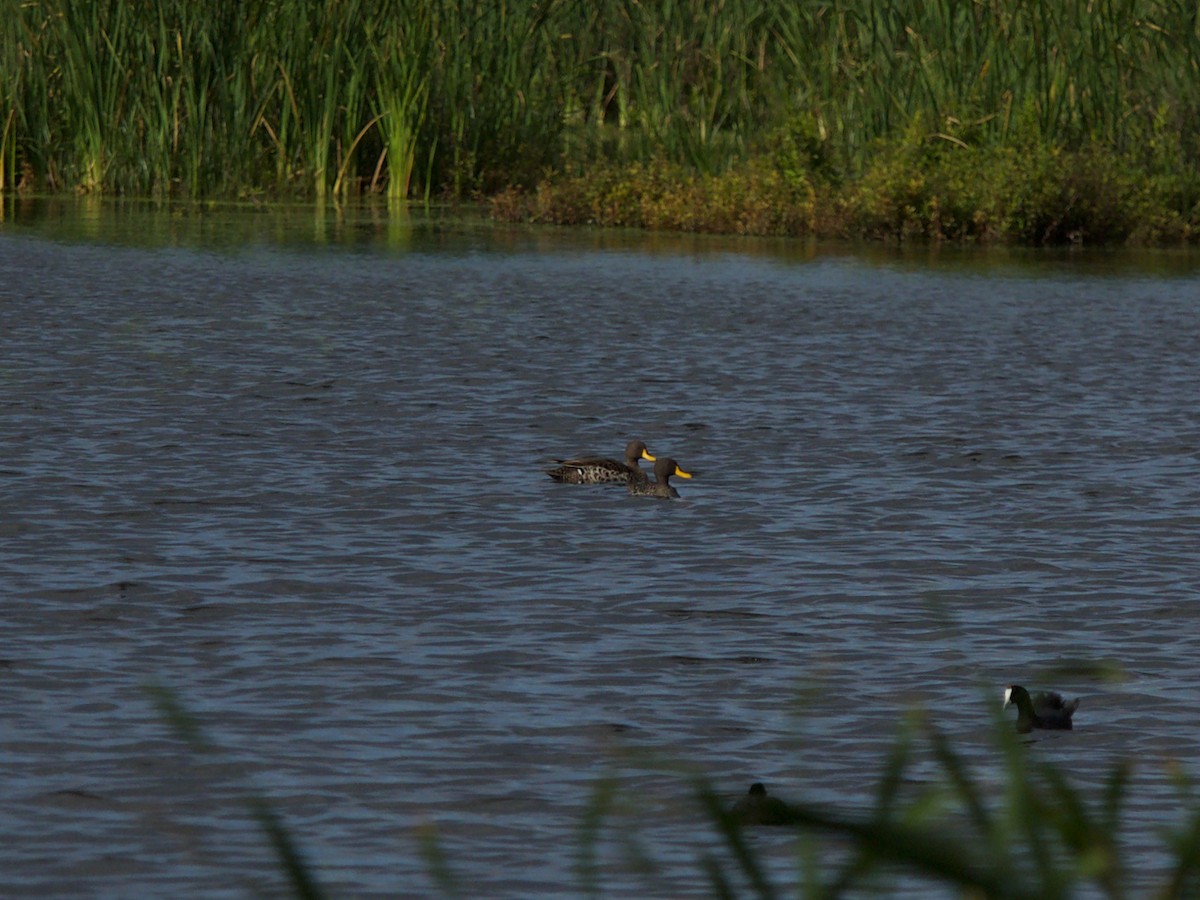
[[759, 808], [1045, 709]]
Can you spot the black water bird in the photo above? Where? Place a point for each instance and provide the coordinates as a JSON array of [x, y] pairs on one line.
[[601, 470], [664, 468], [758, 807], [1044, 709]]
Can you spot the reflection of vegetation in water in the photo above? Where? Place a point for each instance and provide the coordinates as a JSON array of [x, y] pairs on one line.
[[874, 117], [1035, 835]]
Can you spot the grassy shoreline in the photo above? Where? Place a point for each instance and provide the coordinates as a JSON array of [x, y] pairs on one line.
[[1033, 122]]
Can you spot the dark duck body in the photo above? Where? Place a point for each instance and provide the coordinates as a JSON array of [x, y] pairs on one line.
[[601, 470], [664, 468], [760, 808], [1040, 710]]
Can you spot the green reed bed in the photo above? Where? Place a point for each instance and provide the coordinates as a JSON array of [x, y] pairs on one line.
[[316, 90], [463, 97], [687, 79], [496, 99], [400, 57], [129, 96]]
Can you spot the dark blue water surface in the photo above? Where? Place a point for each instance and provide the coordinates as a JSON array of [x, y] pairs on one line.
[[299, 484]]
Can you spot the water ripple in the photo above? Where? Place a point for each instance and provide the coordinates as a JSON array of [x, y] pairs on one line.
[[305, 492]]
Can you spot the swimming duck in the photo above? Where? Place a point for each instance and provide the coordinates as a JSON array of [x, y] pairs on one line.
[[1042, 710], [759, 808], [664, 468], [600, 470]]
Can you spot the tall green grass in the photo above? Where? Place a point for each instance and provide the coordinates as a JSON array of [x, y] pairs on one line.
[[1024, 828], [8, 150], [687, 79], [402, 53], [187, 728], [1113, 72], [422, 97]]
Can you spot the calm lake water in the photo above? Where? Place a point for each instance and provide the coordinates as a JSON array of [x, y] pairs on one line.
[[289, 467]]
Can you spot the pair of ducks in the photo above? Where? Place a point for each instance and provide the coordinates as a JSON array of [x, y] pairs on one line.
[[1044, 709], [600, 470]]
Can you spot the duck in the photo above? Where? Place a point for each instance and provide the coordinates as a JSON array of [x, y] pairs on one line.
[[601, 470], [758, 807], [1044, 709], [664, 468]]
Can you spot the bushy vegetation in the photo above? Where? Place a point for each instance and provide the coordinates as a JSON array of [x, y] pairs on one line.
[[908, 191], [901, 118]]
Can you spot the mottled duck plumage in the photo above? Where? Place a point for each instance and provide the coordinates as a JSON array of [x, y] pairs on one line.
[[601, 470]]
